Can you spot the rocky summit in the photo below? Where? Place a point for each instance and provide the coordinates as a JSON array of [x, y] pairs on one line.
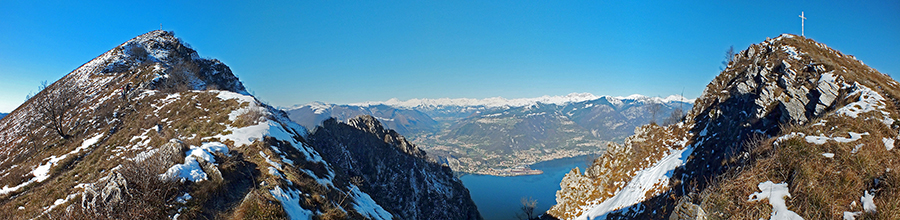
[[149, 130], [791, 128]]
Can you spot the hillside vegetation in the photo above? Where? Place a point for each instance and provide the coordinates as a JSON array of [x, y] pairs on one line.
[[149, 130], [789, 116]]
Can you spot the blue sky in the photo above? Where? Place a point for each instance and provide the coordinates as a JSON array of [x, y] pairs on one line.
[[290, 53]]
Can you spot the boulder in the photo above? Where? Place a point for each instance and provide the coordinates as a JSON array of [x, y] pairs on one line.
[[686, 210]]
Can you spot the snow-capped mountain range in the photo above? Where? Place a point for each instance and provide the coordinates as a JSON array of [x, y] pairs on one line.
[[504, 102]]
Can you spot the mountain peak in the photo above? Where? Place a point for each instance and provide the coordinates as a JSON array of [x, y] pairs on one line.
[[158, 60], [776, 91], [149, 130]]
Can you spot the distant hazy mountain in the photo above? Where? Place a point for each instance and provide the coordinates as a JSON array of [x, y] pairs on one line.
[[405, 121], [3, 114], [472, 135]]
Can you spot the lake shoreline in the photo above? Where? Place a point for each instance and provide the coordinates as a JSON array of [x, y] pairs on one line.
[[499, 197], [524, 170]]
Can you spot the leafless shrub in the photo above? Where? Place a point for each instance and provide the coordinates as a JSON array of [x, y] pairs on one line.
[[676, 116], [180, 77], [52, 107], [729, 57], [253, 115], [134, 191], [333, 213], [256, 206], [357, 180], [528, 205], [654, 109]]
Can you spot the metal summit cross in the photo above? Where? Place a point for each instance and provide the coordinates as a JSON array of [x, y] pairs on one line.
[[802, 25]]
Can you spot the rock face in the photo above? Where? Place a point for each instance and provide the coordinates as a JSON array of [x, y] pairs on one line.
[[149, 130], [685, 210], [396, 173], [785, 82]]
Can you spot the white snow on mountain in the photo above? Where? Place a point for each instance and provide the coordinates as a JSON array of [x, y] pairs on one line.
[[190, 169], [42, 172], [643, 182], [364, 204], [500, 101], [671, 98], [775, 193], [487, 102]]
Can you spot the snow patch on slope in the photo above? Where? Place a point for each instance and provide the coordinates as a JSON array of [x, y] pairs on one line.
[[227, 95], [365, 205], [643, 181], [888, 143], [274, 126], [820, 140], [191, 170], [290, 200], [868, 201], [42, 172], [775, 193], [791, 51], [869, 100]]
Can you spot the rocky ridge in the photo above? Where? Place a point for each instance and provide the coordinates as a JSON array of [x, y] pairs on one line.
[[789, 89], [149, 130], [397, 173]]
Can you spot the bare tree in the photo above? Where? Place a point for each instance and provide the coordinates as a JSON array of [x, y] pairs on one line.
[[654, 109], [676, 116], [729, 56], [357, 180], [52, 106], [528, 205]]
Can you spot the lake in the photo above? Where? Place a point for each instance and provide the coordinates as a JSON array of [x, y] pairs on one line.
[[499, 198]]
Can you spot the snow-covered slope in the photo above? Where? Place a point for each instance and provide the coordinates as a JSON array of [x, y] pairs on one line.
[[149, 130], [790, 121]]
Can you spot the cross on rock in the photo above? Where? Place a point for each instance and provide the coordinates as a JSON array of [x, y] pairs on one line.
[[802, 25]]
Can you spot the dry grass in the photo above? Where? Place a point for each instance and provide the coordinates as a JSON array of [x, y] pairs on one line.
[[821, 187], [252, 116], [612, 170], [259, 205], [232, 193], [193, 116]]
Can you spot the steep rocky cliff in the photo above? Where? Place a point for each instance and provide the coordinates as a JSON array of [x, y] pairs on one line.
[[149, 130], [397, 174], [788, 113]]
